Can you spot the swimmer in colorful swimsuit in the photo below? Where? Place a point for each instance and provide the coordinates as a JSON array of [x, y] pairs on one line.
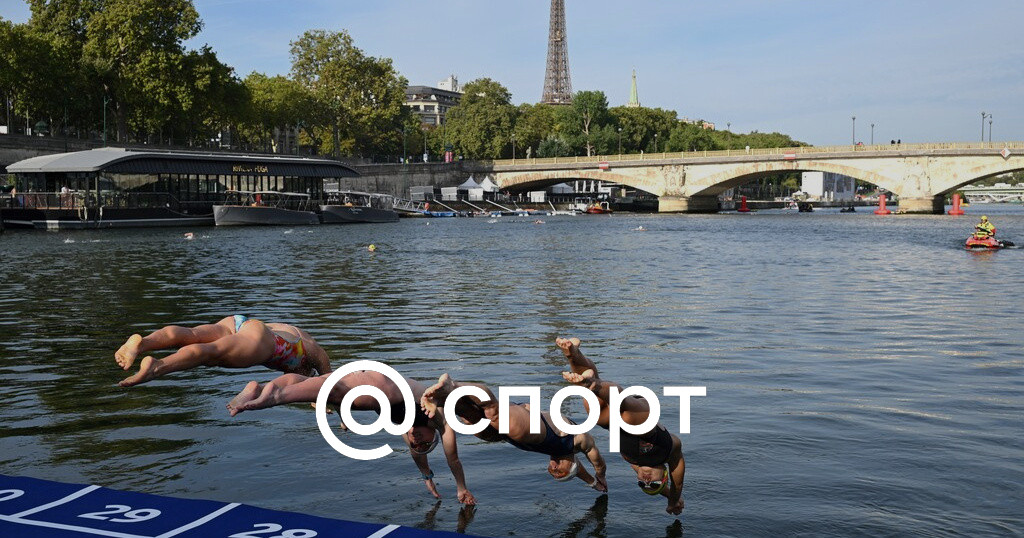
[[656, 456], [422, 437], [233, 342], [560, 446]]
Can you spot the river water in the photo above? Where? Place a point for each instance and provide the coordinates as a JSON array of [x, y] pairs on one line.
[[863, 373]]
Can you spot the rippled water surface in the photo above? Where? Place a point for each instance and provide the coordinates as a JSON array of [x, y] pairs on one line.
[[863, 374]]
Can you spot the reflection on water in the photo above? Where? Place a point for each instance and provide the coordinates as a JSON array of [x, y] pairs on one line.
[[863, 373]]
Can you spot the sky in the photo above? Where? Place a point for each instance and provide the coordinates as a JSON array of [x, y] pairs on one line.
[[919, 70]]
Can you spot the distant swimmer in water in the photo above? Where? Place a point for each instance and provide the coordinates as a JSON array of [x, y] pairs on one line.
[[639, 229], [656, 456], [233, 342], [424, 435], [561, 447]]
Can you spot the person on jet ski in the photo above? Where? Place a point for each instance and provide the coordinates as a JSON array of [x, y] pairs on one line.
[[984, 229]]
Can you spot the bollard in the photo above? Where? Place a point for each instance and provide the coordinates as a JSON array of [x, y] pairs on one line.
[[956, 206], [881, 206], [743, 205]]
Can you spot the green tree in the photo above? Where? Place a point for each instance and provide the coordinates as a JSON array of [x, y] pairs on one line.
[[360, 98], [277, 103], [591, 111], [532, 126], [134, 46], [690, 137], [640, 124], [481, 125]]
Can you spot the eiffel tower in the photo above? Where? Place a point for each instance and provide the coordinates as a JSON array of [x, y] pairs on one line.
[[557, 85]]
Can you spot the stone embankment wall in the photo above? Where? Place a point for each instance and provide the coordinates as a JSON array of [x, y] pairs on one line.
[[394, 179], [14, 148]]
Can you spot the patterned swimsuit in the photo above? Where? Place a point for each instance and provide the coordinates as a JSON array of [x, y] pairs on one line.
[[289, 357]]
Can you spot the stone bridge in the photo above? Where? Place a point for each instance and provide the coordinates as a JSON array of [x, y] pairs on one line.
[[919, 174]]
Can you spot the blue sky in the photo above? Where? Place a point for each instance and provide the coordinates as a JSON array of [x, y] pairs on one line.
[[921, 71]]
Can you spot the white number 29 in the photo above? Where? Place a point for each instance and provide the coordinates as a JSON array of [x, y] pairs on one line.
[[130, 516]]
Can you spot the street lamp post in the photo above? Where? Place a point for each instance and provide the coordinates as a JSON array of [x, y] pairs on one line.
[[107, 100], [655, 142], [853, 138], [983, 116], [620, 140], [405, 152], [990, 128], [513, 148], [872, 134]]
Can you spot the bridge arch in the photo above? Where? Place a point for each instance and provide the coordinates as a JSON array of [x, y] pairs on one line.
[[977, 173], [538, 180], [720, 182]]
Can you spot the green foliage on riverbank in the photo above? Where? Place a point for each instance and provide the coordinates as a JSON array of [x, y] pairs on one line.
[[587, 127]]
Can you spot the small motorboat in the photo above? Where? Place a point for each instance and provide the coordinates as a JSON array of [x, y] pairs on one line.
[[344, 207], [599, 208], [985, 243], [805, 207]]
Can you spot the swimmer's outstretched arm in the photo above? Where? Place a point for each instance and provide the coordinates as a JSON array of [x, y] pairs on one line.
[[584, 442], [577, 361], [451, 453], [677, 466]]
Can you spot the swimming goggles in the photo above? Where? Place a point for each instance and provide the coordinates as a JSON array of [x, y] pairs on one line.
[[426, 447], [655, 487], [572, 471]]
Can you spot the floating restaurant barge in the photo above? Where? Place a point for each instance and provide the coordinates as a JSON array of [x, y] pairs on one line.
[[114, 187]]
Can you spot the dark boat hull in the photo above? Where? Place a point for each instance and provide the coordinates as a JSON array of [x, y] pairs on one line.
[[78, 219], [237, 215], [340, 214]]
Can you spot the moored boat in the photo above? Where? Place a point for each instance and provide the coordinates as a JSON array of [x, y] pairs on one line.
[[599, 208], [265, 208], [344, 207]]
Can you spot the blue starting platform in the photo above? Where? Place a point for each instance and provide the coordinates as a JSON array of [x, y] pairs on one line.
[[31, 508]]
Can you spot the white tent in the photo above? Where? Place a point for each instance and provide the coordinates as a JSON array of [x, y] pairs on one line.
[[488, 185], [469, 184], [562, 188]]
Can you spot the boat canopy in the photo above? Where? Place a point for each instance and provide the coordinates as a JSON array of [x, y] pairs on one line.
[[133, 161]]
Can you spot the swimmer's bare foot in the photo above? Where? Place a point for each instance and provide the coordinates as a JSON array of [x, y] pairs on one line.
[[147, 370], [125, 356], [250, 392], [586, 379], [268, 397], [434, 396]]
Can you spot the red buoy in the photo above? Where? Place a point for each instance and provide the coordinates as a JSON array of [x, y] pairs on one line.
[[956, 206], [743, 205], [881, 206]]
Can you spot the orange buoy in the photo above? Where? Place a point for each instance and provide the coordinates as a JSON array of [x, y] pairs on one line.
[[881, 206], [743, 205], [956, 206]]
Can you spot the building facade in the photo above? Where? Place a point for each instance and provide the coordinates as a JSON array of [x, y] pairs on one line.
[[432, 104], [828, 186]]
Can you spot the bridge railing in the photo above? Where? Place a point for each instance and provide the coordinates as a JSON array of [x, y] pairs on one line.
[[803, 150]]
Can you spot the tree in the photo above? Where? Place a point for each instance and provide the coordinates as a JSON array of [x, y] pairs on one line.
[[591, 110], [359, 98], [277, 103], [480, 126], [690, 137], [532, 126], [640, 124], [130, 64]]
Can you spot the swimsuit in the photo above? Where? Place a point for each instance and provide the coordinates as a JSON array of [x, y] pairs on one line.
[[651, 449], [289, 357], [553, 445], [398, 414]]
